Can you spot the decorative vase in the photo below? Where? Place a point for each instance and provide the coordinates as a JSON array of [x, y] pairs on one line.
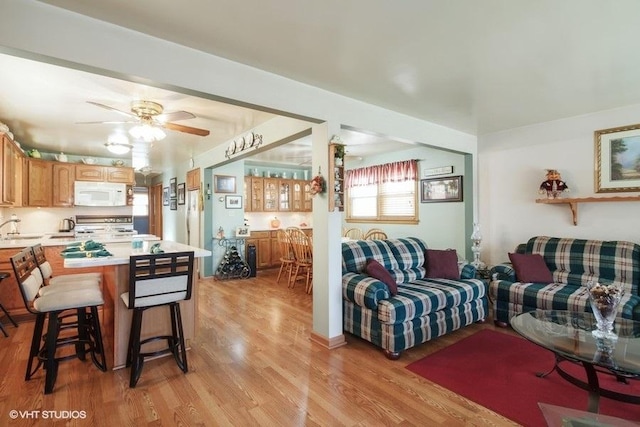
[[604, 301]]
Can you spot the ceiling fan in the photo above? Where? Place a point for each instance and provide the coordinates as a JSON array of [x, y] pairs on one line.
[[152, 114]]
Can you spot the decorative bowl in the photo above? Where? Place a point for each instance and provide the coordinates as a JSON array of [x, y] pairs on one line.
[[604, 301], [118, 163], [89, 161]]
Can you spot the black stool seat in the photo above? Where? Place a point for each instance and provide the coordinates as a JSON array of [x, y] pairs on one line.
[[4, 275], [154, 281]]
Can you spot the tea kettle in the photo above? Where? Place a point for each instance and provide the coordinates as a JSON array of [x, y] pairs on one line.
[[67, 224]]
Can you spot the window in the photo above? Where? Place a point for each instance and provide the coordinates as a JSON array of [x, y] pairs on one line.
[[383, 193]]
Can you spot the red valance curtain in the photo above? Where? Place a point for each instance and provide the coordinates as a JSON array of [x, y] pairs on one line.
[[389, 172]]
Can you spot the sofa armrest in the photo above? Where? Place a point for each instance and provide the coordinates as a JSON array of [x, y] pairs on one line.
[[503, 271], [468, 271], [364, 290]]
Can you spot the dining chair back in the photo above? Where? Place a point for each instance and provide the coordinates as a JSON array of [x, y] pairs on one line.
[[303, 251], [353, 233], [375, 234], [287, 257]]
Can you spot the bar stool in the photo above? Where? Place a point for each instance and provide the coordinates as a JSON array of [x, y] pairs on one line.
[[65, 281], [4, 275], [157, 280], [51, 307]]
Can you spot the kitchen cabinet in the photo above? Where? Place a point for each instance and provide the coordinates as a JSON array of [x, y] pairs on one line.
[[11, 175], [267, 248], [284, 195], [270, 192], [63, 179], [193, 179], [123, 175], [262, 242], [38, 183], [277, 195]]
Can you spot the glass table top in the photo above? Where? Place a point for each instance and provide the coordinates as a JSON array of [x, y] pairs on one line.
[[568, 334]]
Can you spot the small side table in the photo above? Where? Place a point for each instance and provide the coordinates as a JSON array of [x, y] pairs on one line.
[[3, 276]]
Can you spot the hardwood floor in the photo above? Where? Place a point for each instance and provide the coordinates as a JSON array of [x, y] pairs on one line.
[[251, 364]]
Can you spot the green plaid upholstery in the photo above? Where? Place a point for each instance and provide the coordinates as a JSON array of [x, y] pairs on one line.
[[422, 310], [573, 262]]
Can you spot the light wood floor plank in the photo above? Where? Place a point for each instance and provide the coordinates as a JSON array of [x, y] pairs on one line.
[[251, 364]]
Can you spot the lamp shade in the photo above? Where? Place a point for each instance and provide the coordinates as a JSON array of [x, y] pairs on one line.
[[147, 133], [118, 148]]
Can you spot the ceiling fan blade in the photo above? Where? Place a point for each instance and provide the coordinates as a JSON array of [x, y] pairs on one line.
[[174, 115], [106, 107], [109, 122], [185, 129]]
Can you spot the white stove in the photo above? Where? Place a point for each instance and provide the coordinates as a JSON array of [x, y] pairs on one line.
[[89, 226]]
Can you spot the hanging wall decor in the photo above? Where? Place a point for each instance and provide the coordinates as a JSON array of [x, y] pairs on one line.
[[318, 184]]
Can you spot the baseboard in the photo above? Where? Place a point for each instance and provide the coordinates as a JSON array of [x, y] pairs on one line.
[[329, 343]]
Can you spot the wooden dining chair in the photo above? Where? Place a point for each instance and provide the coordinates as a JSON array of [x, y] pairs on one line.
[[303, 251], [287, 257], [375, 234], [353, 233]]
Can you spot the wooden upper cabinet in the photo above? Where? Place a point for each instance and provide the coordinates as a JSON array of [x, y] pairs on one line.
[[270, 195], [11, 172], [63, 179], [247, 194], [90, 173], [284, 195], [38, 182], [105, 174], [120, 174], [193, 179], [257, 194]]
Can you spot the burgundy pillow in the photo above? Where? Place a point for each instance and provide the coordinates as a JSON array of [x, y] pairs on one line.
[[442, 264], [531, 268], [377, 270]]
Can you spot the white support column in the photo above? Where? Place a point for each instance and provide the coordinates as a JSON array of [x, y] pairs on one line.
[[327, 254]]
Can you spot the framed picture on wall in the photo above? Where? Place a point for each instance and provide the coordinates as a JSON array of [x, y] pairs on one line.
[[173, 187], [441, 189], [233, 202], [224, 184], [617, 152], [181, 188], [165, 196], [173, 204]]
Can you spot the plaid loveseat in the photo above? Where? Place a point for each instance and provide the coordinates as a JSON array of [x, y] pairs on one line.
[[423, 308], [573, 262]]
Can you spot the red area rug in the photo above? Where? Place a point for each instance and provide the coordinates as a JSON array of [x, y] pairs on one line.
[[497, 371]]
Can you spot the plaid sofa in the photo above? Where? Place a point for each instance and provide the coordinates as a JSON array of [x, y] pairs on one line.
[[572, 262], [423, 308]]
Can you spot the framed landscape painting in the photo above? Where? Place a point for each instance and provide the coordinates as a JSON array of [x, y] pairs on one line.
[[441, 189], [617, 159]]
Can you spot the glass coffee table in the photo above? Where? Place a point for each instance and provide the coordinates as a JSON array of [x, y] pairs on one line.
[[568, 335]]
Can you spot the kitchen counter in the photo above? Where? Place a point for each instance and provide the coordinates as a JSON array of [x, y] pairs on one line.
[[62, 239], [116, 317]]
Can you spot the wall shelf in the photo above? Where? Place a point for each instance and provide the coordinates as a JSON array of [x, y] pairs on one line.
[[573, 202]]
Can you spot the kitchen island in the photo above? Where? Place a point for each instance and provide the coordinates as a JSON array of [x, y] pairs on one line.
[[116, 318]]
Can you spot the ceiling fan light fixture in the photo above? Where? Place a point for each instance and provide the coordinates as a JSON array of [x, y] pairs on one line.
[[147, 133], [118, 148]]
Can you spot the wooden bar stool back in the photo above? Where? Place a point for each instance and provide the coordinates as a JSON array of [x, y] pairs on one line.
[[83, 333], [157, 280]]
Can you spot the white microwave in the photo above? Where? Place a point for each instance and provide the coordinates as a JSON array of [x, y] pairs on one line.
[[90, 193]]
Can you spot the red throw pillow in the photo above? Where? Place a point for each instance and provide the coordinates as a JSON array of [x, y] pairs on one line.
[[531, 268], [442, 264], [377, 270]]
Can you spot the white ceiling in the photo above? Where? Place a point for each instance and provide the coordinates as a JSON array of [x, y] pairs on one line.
[[476, 66]]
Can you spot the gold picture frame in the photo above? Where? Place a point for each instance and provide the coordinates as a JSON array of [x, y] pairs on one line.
[[617, 159]]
